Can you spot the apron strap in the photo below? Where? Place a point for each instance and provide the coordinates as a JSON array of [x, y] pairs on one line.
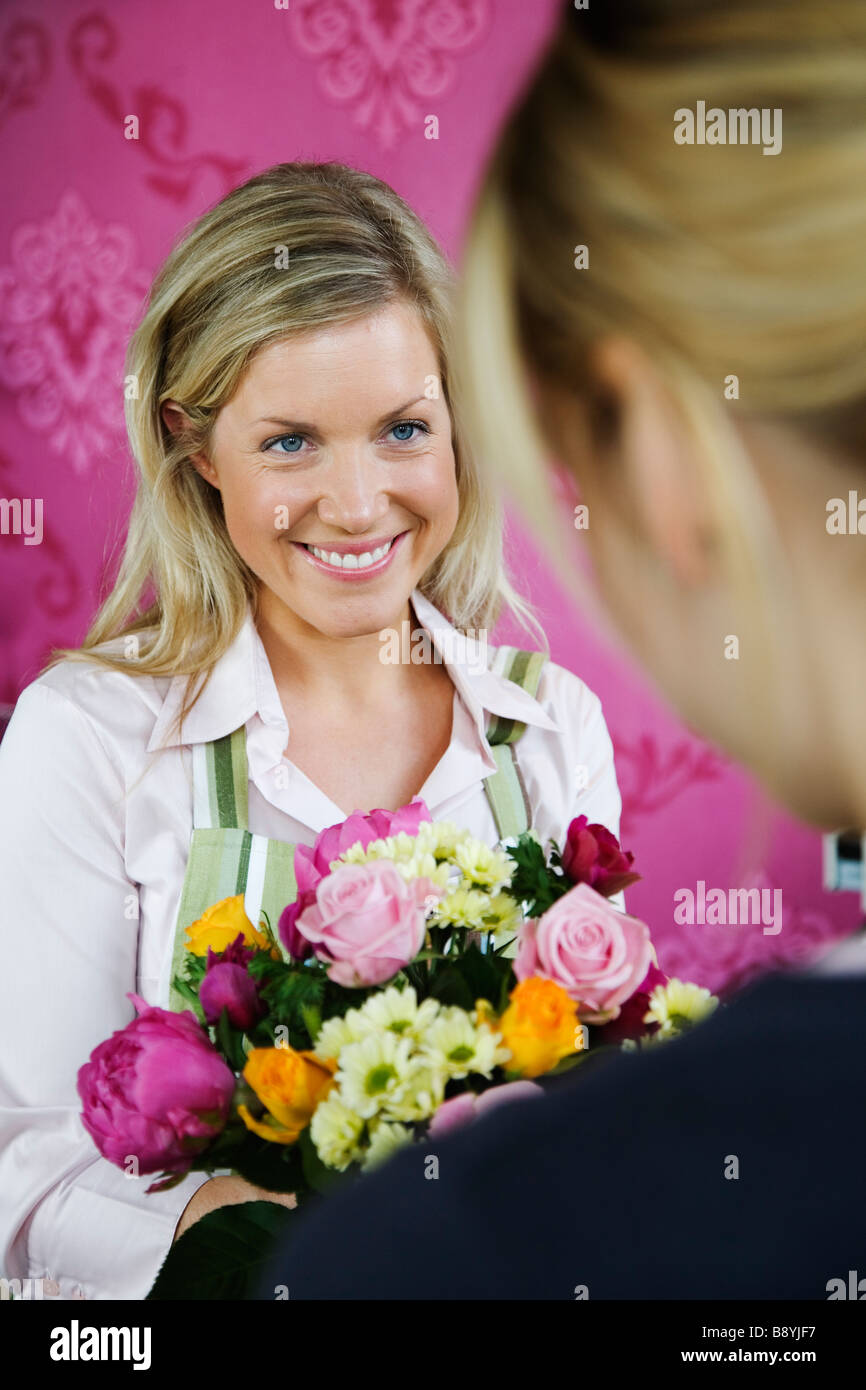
[[505, 788], [220, 789]]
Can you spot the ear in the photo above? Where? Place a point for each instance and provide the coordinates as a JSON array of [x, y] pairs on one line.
[[656, 459], [177, 421]]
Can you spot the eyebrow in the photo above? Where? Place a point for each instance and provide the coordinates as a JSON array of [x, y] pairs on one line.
[[299, 425]]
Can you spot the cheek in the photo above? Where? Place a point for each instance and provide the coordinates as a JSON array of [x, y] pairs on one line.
[[258, 511], [437, 495]]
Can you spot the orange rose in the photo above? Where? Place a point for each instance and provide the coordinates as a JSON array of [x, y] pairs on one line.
[[220, 926], [539, 1027], [290, 1085]]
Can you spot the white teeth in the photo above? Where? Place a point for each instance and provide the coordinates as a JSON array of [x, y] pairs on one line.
[[351, 562]]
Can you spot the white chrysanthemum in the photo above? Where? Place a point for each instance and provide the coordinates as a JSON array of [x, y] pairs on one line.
[[457, 1044], [336, 1129], [373, 1071], [678, 1005], [422, 1093], [464, 907], [489, 868], [385, 1139], [335, 1033], [398, 1010]]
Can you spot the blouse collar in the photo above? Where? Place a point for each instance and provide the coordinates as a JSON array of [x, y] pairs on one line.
[[242, 684]]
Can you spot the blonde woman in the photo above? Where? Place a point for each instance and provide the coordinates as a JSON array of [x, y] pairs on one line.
[[306, 510], [691, 320]]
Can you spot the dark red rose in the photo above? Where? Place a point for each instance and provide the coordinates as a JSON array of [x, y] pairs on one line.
[[592, 855]]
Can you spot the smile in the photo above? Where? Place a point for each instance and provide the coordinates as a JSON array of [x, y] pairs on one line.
[[353, 564]]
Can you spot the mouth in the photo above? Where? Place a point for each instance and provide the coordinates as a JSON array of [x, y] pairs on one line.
[[355, 561]]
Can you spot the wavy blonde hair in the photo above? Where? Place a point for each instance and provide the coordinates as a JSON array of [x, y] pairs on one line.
[[353, 245], [715, 261]]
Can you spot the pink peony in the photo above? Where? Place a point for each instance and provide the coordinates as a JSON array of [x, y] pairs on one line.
[[156, 1090], [455, 1113], [597, 954], [314, 864], [367, 920], [592, 855]]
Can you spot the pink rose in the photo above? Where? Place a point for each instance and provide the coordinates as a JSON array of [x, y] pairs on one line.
[[367, 920], [592, 855], [156, 1090], [597, 954], [314, 864], [454, 1113]]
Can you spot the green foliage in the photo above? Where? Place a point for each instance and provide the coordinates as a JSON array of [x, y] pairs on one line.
[[450, 987], [536, 882], [224, 1255], [229, 1040], [293, 997]]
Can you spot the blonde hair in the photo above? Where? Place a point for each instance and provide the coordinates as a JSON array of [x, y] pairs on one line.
[[717, 261], [345, 245]]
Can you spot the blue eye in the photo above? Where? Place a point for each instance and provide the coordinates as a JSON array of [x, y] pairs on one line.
[[297, 438], [408, 425]]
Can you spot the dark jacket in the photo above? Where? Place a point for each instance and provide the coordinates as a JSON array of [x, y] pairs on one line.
[[619, 1183]]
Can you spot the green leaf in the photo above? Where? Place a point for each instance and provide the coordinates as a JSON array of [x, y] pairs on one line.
[[483, 973], [224, 1255], [312, 1016], [450, 987], [230, 1041], [191, 995]]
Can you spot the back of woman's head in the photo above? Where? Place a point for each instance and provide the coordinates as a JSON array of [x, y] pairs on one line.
[[689, 175]]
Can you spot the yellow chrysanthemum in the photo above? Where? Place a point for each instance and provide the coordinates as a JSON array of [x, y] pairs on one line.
[[385, 1139], [397, 1011], [481, 865], [464, 907], [458, 1043], [678, 1005], [336, 1131], [373, 1072]]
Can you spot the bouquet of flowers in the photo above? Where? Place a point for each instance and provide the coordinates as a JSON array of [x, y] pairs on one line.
[[418, 978]]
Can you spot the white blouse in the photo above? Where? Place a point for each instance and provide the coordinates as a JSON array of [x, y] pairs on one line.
[[96, 812]]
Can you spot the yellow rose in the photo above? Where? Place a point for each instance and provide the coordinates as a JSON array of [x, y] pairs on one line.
[[219, 927], [539, 1027], [290, 1085]]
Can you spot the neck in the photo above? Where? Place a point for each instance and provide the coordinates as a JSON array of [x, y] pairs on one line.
[[319, 666]]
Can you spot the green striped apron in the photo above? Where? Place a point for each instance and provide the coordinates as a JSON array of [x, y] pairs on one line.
[[226, 859]]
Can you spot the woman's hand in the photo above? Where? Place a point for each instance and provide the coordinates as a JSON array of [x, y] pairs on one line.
[[226, 1192]]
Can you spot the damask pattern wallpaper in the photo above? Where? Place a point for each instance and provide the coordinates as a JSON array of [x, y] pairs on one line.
[[220, 90]]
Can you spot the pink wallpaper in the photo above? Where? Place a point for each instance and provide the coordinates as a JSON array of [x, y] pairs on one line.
[[222, 90]]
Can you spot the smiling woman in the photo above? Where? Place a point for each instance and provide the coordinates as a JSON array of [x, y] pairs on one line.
[[304, 487]]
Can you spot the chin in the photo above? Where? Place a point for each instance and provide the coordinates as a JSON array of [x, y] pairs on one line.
[[351, 615]]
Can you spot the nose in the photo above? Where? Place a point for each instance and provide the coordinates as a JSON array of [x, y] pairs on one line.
[[354, 493]]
